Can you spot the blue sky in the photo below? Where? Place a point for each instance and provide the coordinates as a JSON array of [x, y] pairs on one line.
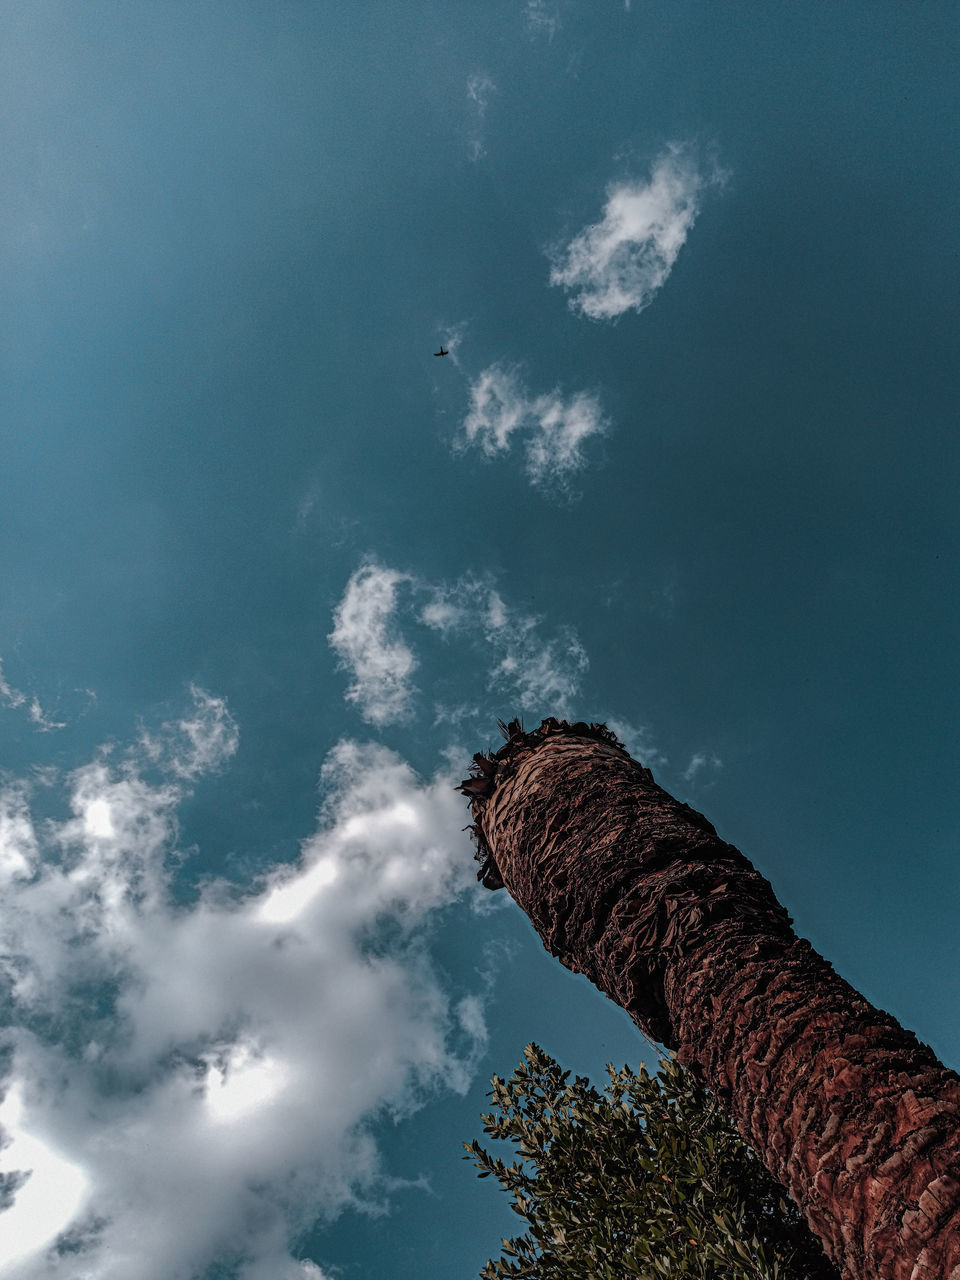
[[271, 570]]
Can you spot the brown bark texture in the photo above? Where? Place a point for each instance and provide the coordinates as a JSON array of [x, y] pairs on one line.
[[848, 1110]]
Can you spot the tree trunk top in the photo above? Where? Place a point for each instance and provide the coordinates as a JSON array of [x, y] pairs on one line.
[[489, 769]]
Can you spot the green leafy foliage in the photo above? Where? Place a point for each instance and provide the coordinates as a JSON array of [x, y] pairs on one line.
[[648, 1179]]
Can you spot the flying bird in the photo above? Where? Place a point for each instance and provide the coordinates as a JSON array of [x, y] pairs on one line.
[[441, 352]]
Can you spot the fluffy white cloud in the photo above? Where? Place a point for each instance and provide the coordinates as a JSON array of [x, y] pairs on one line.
[[380, 662], [619, 263], [556, 427], [18, 845], [195, 1083]]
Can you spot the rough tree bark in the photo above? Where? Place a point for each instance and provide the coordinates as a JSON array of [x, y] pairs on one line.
[[849, 1111]]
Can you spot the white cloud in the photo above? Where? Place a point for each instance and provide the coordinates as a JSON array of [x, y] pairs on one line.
[[619, 263], [451, 337], [51, 1191], [18, 845], [11, 697], [222, 1103], [380, 662], [638, 741], [308, 504], [480, 87], [197, 743], [700, 761], [542, 19], [556, 428], [41, 719], [542, 675], [442, 613], [304, 1270], [508, 652], [498, 407], [554, 450]]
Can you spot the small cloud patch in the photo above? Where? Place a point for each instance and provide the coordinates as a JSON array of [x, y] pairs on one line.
[[621, 262], [539, 672], [542, 19], [16, 698], [699, 762], [364, 638], [196, 744], [480, 88], [638, 741], [555, 427]]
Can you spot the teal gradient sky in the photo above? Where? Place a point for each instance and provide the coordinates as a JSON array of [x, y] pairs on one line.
[[271, 570]]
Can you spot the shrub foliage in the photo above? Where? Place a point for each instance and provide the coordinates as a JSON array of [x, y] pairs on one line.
[[648, 1179]]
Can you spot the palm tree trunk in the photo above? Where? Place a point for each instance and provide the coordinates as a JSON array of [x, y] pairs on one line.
[[849, 1111]]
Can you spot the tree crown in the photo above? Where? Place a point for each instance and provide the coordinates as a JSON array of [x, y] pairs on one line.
[[648, 1178]]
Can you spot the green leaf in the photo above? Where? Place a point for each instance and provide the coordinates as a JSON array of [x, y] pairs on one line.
[[590, 1180]]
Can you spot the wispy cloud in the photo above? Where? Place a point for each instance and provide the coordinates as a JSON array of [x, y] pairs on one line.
[[542, 19], [381, 663], [480, 88], [700, 761], [451, 338], [555, 426], [539, 673], [638, 740], [197, 743], [193, 1084], [507, 660], [16, 698], [619, 263], [45, 723], [308, 504], [11, 697], [505, 648]]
